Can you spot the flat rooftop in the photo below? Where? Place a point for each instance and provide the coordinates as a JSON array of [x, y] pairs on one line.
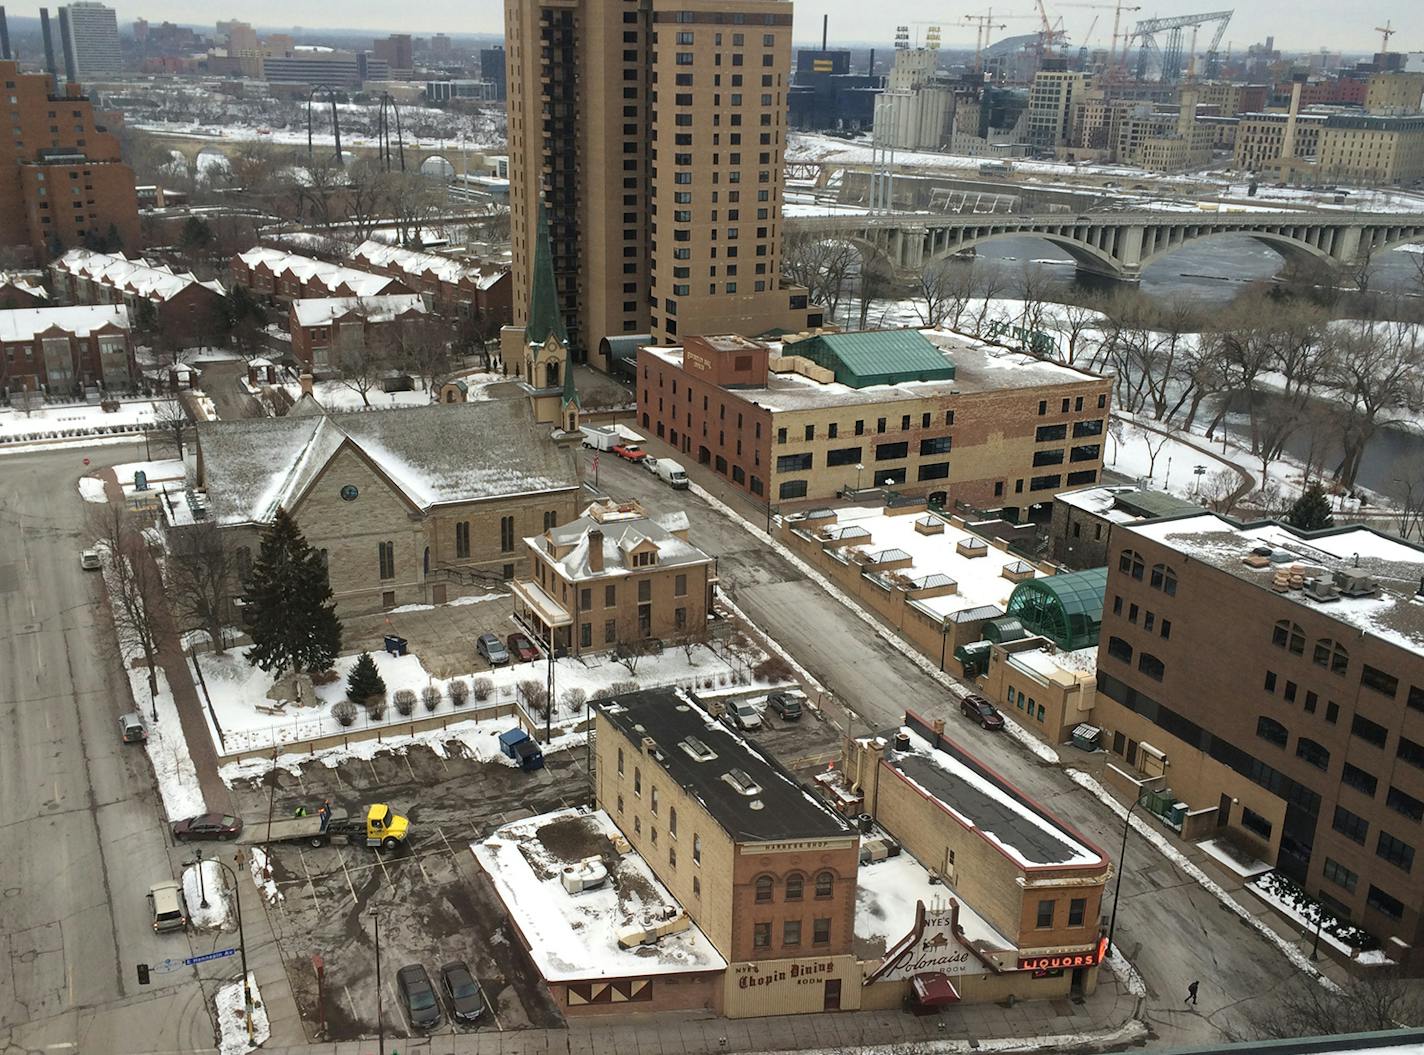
[[575, 936], [1126, 504], [978, 367], [749, 794], [984, 803], [979, 581], [1395, 613]]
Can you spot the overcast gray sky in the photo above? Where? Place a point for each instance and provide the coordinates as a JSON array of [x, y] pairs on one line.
[[1297, 24]]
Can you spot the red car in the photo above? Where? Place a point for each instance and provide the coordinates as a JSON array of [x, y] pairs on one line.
[[982, 711], [207, 826], [521, 649], [630, 452]]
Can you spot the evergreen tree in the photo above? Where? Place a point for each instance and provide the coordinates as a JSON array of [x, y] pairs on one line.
[[365, 680], [289, 607], [1311, 511]]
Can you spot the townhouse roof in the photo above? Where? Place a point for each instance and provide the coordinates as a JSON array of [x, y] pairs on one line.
[[321, 311], [24, 324], [617, 535], [417, 264], [435, 455], [131, 274], [751, 795], [304, 268], [24, 283]]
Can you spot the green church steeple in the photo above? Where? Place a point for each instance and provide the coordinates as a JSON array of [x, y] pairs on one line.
[[545, 319], [570, 389]]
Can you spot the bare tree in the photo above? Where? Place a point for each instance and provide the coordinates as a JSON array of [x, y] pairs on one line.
[[170, 418], [935, 289], [1409, 511], [820, 262], [1376, 374], [690, 640], [877, 279], [1363, 1003], [631, 653], [135, 587], [413, 202], [422, 346], [202, 571], [362, 358], [1074, 325], [1220, 491], [366, 191]]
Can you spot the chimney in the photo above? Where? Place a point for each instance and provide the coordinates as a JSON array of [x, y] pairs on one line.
[[4, 36], [1288, 140], [825, 28], [50, 67], [595, 549], [308, 384], [66, 44]]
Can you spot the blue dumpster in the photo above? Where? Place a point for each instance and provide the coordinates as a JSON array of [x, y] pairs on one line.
[[518, 745], [395, 645]]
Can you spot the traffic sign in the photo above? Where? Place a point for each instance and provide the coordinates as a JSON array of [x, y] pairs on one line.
[[191, 960]]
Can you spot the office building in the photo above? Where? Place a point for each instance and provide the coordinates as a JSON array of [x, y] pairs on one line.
[[397, 52], [1273, 682], [1051, 99], [1261, 139], [62, 180], [90, 36], [1372, 150], [493, 71], [316, 64], [660, 165], [826, 96], [1394, 93], [807, 419]]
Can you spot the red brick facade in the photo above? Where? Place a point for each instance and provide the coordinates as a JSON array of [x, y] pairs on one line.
[[63, 358], [287, 277]]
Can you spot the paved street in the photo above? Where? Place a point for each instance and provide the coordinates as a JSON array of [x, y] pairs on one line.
[[1173, 930]]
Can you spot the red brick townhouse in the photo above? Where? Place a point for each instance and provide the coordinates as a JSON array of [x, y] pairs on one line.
[[324, 327], [289, 276], [64, 350], [451, 287], [187, 311]]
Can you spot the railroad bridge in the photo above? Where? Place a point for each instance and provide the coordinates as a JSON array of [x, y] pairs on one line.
[[1119, 245]]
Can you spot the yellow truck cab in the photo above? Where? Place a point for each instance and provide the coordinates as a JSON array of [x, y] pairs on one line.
[[384, 827]]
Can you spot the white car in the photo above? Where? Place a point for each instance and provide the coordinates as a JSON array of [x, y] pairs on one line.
[[651, 464], [89, 560], [742, 715]]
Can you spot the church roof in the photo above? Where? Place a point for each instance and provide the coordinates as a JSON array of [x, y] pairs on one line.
[[544, 319]]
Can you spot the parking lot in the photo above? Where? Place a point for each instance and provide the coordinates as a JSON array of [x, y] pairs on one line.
[[434, 906]]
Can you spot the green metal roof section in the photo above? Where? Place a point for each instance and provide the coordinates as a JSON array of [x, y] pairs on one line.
[[1066, 609], [544, 315], [877, 357], [570, 389], [1156, 504]]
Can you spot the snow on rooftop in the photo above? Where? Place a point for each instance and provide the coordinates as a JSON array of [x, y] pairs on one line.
[[1100, 501], [137, 276], [1006, 822], [575, 936], [25, 283], [280, 262], [885, 898], [321, 311], [24, 324], [1051, 664], [418, 264]]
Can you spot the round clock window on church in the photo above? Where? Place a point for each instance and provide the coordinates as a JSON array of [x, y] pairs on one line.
[[349, 493]]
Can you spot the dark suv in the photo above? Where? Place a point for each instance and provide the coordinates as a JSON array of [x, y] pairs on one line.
[[787, 706], [982, 711], [419, 997]]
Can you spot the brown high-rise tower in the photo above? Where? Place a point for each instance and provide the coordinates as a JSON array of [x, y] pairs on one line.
[[655, 131]]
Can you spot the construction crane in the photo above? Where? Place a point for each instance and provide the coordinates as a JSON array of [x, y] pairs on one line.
[[1170, 56], [1386, 31], [983, 24], [1050, 36], [1117, 9]]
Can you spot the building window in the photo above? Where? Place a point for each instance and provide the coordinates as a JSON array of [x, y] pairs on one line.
[[793, 463], [1271, 731], [610, 631], [1289, 636], [637, 781], [821, 931], [610, 596], [462, 539], [792, 489], [1254, 822], [620, 761], [696, 886], [825, 885], [795, 884], [885, 452], [936, 445], [1314, 753], [1338, 874], [1383, 903], [1130, 562], [761, 936], [1150, 665], [1077, 909], [763, 889], [1331, 655], [679, 588], [1351, 825], [1395, 851], [1164, 579], [696, 848], [1045, 914], [506, 534], [1368, 731], [1405, 803], [672, 857], [1119, 649], [387, 553], [1357, 778], [1379, 680], [791, 932], [672, 822]]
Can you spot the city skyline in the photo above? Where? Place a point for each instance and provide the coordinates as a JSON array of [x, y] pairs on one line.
[[1313, 23]]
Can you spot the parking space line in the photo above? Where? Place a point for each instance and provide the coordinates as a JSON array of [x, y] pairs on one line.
[[410, 769], [350, 885], [381, 860], [453, 855], [307, 872], [375, 778]]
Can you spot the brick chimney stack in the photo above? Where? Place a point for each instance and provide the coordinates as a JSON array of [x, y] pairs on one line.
[[595, 549]]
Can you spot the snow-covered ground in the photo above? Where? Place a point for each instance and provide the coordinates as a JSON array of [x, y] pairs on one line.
[[59, 420], [1230, 858], [229, 1009], [91, 489], [1308, 914], [237, 689], [337, 395], [212, 888], [261, 875]]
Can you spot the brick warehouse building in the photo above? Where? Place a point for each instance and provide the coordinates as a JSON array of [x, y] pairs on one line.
[[1303, 735], [62, 178], [923, 413]]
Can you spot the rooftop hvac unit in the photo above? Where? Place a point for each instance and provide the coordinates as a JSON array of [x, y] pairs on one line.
[[1322, 590], [1352, 585], [588, 874]]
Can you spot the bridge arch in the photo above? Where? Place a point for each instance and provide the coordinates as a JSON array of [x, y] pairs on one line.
[[1290, 250], [437, 165], [1087, 257]]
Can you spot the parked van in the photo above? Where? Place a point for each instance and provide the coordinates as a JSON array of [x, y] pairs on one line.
[[672, 473], [169, 911]]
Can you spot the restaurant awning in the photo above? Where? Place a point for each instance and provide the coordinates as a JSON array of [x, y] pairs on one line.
[[934, 989]]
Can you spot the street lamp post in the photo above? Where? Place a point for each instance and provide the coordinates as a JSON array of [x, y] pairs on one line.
[[202, 886], [1121, 867], [943, 641], [380, 1021], [858, 470], [1319, 923]]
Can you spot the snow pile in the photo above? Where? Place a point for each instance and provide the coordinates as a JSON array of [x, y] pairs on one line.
[[91, 489], [210, 887], [1027, 739], [232, 1021], [1167, 850], [1127, 974], [261, 878]]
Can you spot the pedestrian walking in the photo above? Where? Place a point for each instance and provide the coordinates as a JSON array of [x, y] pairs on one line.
[[1192, 994]]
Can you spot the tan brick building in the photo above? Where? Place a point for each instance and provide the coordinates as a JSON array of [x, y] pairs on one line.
[[614, 576], [1273, 682], [1372, 150], [766, 872], [923, 414], [1394, 93], [408, 506], [62, 177], [675, 109], [1261, 139]]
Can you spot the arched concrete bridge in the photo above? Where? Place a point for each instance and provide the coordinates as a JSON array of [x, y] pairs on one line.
[[1119, 245]]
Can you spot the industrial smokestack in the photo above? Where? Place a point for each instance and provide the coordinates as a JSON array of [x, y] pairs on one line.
[[66, 44], [4, 36], [872, 62], [1288, 139], [50, 67], [825, 28]]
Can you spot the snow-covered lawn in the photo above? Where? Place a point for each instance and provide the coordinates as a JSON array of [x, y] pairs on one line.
[[232, 1019], [337, 395], [1288, 898], [91, 489], [211, 889], [59, 420], [1170, 470], [237, 689]]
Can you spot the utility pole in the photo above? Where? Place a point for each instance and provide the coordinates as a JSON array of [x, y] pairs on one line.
[[380, 1019], [1121, 867]]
